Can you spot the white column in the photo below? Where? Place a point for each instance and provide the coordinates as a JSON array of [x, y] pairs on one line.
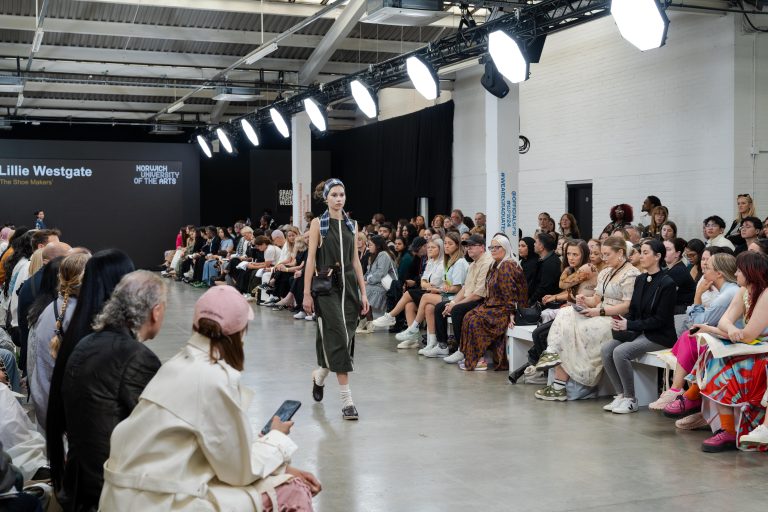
[[301, 167], [502, 163]]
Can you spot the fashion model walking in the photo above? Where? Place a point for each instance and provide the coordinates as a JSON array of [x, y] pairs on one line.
[[332, 251]]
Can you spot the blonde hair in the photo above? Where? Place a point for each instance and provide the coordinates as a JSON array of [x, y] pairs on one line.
[[35, 262], [655, 229], [616, 243], [751, 211], [70, 278]]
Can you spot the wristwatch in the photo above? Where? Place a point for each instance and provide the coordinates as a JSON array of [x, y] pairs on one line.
[[602, 310]]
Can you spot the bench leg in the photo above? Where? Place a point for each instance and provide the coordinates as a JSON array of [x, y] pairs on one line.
[[517, 352], [646, 383]]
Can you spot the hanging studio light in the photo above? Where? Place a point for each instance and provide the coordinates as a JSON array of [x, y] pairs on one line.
[[423, 77], [249, 131], [279, 122], [364, 98], [224, 139], [204, 146], [315, 114], [641, 22], [507, 55]]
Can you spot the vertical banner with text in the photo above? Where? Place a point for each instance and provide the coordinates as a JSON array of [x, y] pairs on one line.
[[508, 210]]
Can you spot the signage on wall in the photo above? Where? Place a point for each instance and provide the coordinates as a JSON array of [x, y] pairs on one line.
[[508, 209], [285, 197], [46, 173]]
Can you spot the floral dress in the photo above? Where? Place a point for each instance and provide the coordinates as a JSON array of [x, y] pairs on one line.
[[487, 323]]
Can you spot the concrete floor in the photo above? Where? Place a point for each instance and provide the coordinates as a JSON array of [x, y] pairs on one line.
[[431, 437]]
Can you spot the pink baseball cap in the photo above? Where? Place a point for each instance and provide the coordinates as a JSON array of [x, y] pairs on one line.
[[225, 306]]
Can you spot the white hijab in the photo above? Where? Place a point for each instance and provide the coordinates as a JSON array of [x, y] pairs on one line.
[[507, 246]]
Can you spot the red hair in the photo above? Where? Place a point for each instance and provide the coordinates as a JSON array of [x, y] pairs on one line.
[[628, 217], [754, 268]]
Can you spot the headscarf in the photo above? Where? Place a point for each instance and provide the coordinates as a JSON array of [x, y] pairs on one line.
[[529, 242], [507, 246], [325, 218], [5, 234]]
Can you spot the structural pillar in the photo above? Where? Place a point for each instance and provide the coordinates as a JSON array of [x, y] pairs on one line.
[[502, 164], [301, 168]]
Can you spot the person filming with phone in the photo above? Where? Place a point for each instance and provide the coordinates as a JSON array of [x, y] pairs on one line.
[[189, 445]]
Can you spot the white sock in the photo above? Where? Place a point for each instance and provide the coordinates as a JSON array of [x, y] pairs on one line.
[[431, 339], [346, 396], [319, 375], [414, 326]]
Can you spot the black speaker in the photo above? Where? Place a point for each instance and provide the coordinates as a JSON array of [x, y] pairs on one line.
[[493, 81]]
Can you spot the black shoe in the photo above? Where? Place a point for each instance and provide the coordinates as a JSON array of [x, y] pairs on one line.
[[317, 391], [515, 375], [349, 413]]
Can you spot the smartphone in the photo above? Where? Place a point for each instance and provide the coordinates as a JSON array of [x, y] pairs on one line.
[[617, 317], [285, 413], [694, 330], [578, 308]]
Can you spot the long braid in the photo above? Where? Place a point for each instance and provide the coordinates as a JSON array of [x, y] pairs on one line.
[[70, 278], [58, 333]]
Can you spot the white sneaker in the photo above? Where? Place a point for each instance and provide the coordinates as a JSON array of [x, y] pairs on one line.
[[428, 347], [386, 320], [757, 436], [361, 326], [626, 406], [366, 329], [409, 344], [454, 358], [436, 351], [310, 318], [300, 315], [666, 398], [611, 406], [408, 335], [249, 297]]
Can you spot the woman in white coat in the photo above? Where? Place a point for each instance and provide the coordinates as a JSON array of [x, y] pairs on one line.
[[188, 445]]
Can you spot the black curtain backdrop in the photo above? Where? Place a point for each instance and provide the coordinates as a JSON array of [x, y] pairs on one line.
[[387, 165]]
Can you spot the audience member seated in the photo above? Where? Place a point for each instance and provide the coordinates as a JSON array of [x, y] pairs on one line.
[[241, 255], [480, 220], [749, 232], [468, 297], [529, 260], [177, 451], [676, 269], [569, 228], [714, 293], [387, 232], [649, 204], [381, 264], [668, 231], [431, 279], [621, 216], [633, 233], [649, 325], [285, 256], [732, 387], [409, 233], [746, 208], [659, 215], [10, 372], [595, 254], [578, 332], [547, 269], [544, 223], [249, 280], [5, 235], [5, 272], [693, 251], [760, 245], [437, 221], [17, 268], [209, 252], [277, 284], [288, 289], [362, 250], [486, 325], [457, 218], [20, 439], [714, 227], [198, 240]]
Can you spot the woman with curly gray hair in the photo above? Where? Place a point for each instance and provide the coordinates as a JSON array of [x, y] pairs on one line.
[[104, 377]]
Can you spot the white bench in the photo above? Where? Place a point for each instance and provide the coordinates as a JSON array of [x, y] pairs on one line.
[[646, 367]]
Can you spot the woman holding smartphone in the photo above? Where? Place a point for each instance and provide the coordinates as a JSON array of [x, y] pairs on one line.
[[649, 325]]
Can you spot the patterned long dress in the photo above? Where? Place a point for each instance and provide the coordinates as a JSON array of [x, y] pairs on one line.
[[737, 382], [338, 313], [487, 324]]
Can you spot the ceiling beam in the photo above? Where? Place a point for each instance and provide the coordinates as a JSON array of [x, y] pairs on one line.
[[108, 28], [117, 107]]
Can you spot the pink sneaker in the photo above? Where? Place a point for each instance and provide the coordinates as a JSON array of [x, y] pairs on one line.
[[664, 400], [720, 442], [693, 422], [682, 407]]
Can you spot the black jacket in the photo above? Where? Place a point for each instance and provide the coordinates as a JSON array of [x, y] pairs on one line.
[[652, 309], [104, 377], [530, 266], [547, 278], [686, 286]]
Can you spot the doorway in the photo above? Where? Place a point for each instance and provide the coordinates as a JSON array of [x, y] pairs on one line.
[[580, 205]]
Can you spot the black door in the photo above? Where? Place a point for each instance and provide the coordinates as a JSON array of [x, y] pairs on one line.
[[580, 205]]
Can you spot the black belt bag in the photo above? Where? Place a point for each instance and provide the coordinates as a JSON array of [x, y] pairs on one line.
[[322, 281]]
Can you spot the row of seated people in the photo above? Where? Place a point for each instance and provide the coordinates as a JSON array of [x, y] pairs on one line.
[[109, 427]]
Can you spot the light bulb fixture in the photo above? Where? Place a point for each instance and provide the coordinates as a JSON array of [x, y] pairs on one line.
[[249, 131], [279, 121], [641, 22], [315, 114], [364, 98], [204, 146], [423, 76], [508, 56], [221, 134]]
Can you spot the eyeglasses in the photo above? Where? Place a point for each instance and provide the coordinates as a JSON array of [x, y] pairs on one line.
[[711, 225], [494, 247]]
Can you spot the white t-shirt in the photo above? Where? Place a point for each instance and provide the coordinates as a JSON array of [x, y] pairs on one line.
[[272, 253]]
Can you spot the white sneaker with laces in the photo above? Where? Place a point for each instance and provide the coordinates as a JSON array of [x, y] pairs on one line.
[[436, 351], [300, 315], [409, 344], [611, 406], [408, 335], [385, 320], [626, 406], [310, 318], [757, 436], [454, 358], [666, 398], [422, 351]]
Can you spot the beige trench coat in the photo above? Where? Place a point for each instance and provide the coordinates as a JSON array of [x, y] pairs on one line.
[[186, 444]]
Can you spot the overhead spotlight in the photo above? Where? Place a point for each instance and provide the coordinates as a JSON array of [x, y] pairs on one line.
[[423, 77], [641, 22], [508, 56], [224, 139], [315, 114], [493, 81], [364, 98], [279, 121], [204, 146], [249, 131]]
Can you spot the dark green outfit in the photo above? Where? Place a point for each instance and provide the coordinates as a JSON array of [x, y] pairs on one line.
[[338, 313]]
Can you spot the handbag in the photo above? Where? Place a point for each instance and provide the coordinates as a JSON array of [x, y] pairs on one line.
[[386, 281], [322, 281], [624, 336], [528, 316]]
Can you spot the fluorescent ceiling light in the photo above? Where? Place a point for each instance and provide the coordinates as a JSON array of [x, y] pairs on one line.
[[508, 56], [224, 139], [315, 114], [277, 119], [260, 52], [363, 98], [176, 106], [204, 146], [423, 77], [228, 93], [641, 22], [38, 40], [249, 132], [11, 84], [19, 100]]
